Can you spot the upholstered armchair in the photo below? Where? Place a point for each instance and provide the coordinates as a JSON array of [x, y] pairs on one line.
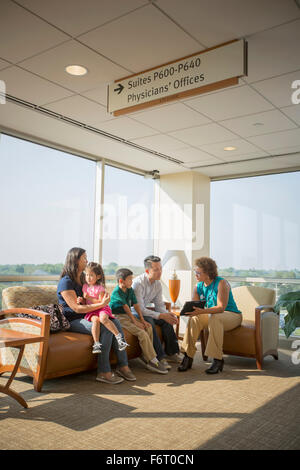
[[258, 334]]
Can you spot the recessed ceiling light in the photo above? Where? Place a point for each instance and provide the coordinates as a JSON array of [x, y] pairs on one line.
[[229, 148], [77, 70]]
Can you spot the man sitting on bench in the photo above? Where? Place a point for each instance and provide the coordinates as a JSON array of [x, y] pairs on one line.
[[148, 289]]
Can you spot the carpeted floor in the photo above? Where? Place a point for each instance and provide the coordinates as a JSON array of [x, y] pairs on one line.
[[242, 408]]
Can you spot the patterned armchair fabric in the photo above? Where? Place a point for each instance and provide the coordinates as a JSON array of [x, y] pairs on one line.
[[27, 296], [24, 297]]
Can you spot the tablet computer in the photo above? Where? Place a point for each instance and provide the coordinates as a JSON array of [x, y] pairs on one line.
[[188, 306]]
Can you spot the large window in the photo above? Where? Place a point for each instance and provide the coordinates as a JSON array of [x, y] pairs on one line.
[[46, 207], [255, 224], [255, 230], [128, 220]]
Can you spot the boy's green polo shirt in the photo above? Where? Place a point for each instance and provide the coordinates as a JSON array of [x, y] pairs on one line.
[[119, 298]]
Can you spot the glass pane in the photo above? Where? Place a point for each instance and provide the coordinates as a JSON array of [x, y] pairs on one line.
[[128, 220], [46, 206], [255, 230]]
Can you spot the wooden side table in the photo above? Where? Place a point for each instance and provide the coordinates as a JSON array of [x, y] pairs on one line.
[[16, 339], [176, 312]]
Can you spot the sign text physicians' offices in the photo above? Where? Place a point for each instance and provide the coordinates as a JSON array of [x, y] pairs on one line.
[[176, 78]]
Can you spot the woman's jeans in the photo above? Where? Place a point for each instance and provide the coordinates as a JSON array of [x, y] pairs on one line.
[[107, 339]]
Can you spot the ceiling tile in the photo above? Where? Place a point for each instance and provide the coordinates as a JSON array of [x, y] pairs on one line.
[[81, 109], [215, 22], [172, 117], [140, 159], [19, 31], [208, 171], [282, 141], [293, 112], [225, 169], [4, 64], [288, 160], [262, 123], [236, 168], [247, 156], [126, 128], [97, 94], [160, 143], [29, 87], [45, 127], [140, 39], [54, 130], [231, 103], [214, 92], [156, 106], [51, 65], [192, 165], [207, 134], [76, 17], [243, 149], [278, 90], [286, 150], [273, 52], [191, 155], [145, 38]]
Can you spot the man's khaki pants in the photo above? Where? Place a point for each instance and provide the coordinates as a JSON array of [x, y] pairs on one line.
[[217, 323], [145, 337]]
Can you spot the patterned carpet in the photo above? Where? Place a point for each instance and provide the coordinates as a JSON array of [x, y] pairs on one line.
[[242, 408]]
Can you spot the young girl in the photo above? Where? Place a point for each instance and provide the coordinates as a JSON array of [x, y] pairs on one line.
[[93, 291]]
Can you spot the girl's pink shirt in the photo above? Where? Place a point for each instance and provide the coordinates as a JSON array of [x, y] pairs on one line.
[[93, 291]]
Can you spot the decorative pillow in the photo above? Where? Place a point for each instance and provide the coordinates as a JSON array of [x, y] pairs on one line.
[[58, 321]]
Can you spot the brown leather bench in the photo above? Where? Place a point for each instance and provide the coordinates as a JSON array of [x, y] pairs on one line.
[[62, 353]]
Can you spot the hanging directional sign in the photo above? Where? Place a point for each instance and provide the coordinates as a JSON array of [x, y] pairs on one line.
[[208, 70]]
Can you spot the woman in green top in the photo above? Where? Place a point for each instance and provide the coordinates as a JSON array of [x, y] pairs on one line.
[[220, 314]]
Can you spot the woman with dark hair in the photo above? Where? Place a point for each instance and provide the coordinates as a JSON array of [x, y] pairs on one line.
[[221, 314], [68, 290]]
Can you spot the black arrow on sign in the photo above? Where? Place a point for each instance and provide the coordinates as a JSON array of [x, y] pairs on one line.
[[119, 88]]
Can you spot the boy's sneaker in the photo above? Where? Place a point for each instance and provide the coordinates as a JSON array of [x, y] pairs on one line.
[[122, 344], [97, 348], [156, 367], [165, 363]]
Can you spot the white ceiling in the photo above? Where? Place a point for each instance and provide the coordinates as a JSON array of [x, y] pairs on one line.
[[115, 38]]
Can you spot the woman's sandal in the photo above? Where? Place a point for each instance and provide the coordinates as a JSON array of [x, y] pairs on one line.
[[112, 380]]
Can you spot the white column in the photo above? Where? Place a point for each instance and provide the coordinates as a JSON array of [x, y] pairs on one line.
[[182, 222], [99, 201]]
